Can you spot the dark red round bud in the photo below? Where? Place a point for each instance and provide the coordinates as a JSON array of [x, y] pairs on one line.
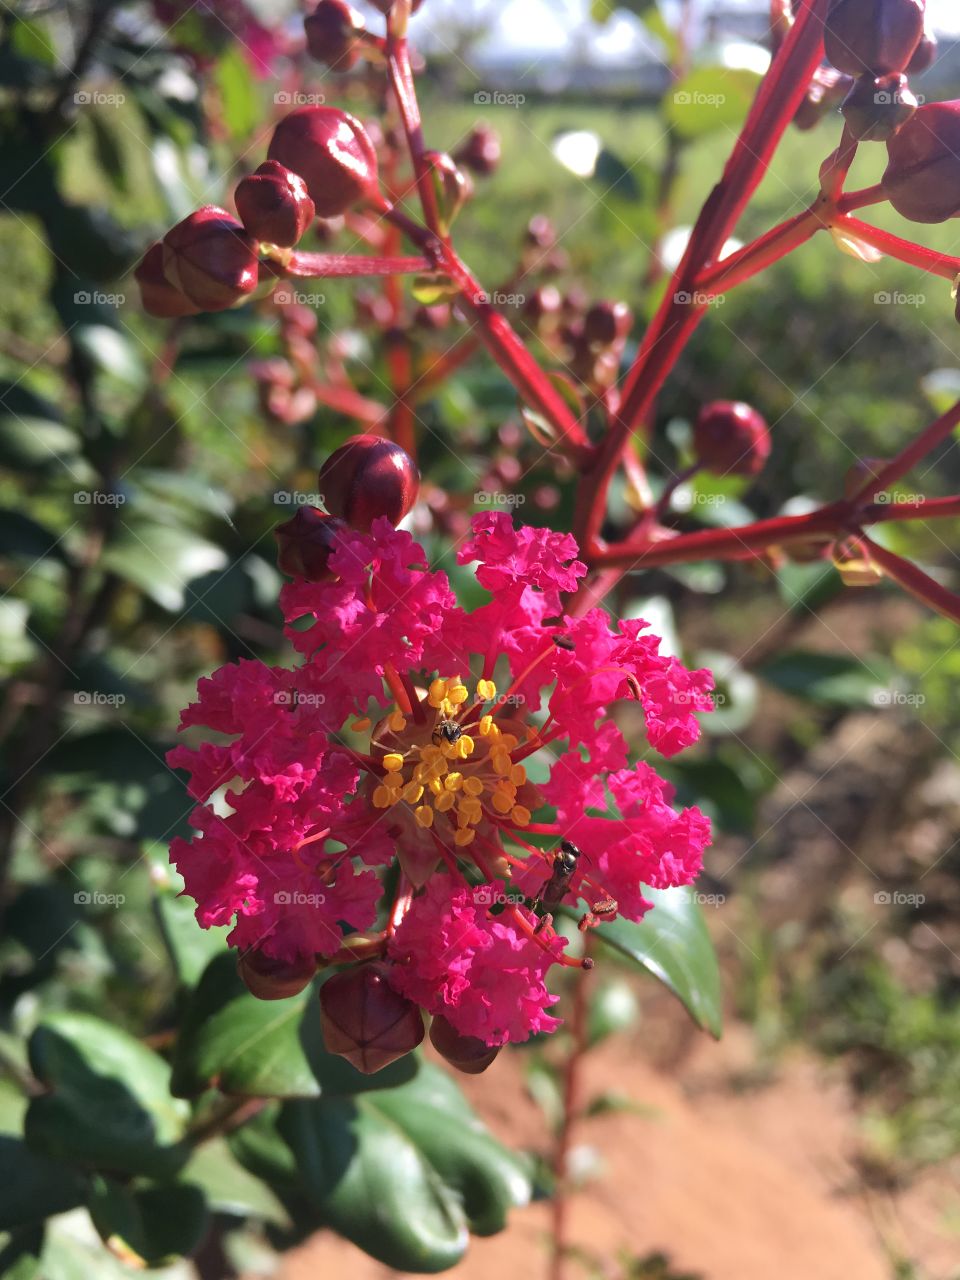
[[365, 1021], [332, 30], [467, 1053], [332, 153], [873, 36], [159, 296], [922, 177], [305, 543], [211, 259], [542, 308], [731, 438], [480, 151], [369, 477], [875, 109], [270, 979], [923, 55], [273, 204], [607, 323]]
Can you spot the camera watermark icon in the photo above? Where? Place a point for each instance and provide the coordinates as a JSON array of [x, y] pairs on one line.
[[684, 299], [500, 299], [94, 898], [97, 299], [94, 98], [683, 98], [494, 98], [709, 899], [295, 698], [294, 898], [485, 895], [495, 498], [687, 499], [94, 698], [298, 99], [294, 498], [886, 98], [98, 498], [287, 297], [914, 499], [897, 298], [897, 698], [896, 898]]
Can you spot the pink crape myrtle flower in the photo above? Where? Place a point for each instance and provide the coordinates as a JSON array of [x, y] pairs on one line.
[[403, 736]]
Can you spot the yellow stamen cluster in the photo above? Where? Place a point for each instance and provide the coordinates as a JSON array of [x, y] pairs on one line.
[[449, 775]]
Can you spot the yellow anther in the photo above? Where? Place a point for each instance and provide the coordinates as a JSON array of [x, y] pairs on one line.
[[437, 692], [444, 801], [392, 761], [471, 808], [435, 785], [358, 726], [486, 726], [465, 745], [502, 801], [421, 772], [520, 814], [397, 721], [458, 694], [486, 690], [430, 753], [518, 775], [501, 761], [412, 792], [465, 836], [394, 781], [509, 740], [424, 815], [453, 781], [451, 750], [473, 786], [382, 798]]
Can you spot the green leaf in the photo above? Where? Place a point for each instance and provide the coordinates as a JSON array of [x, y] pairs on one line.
[[488, 1178], [30, 443], [151, 1225], [229, 1187], [161, 560], [239, 100], [710, 98], [111, 352], [613, 1008], [373, 1185], [262, 1048], [34, 1188], [833, 679], [26, 538], [109, 1105], [672, 943], [191, 948]]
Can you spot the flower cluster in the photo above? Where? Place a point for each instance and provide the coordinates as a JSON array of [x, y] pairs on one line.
[[464, 748]]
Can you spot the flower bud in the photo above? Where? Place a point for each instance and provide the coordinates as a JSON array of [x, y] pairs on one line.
[[924, 54], [331, 151], [332, 30], [273, 204], [211, 259], [449, 185], [305, 543], [542, 309], [268, 978], [480, 151], [540, 232], [467, 1053], [731, 438], [875, 109], [365, 1021], [159, 296], [922, 177], [369, 477], [607, 323], [875, 36]]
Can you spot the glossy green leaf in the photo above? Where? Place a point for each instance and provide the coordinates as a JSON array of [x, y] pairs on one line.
[[109, 1104], [190, 948], [30, 443], [833, 679], [153, 1224], [710, 98], [34, 1187], [262, 1048], [161, 560], [672, 943], [229, 1187]]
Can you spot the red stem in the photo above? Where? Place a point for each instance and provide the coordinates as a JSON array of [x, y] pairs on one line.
[[326, 265], [759, 254], [927, 440], [938, 264], [914, 580]]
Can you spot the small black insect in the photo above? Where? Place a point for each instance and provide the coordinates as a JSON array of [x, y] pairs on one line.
[[565, 858], [447, 731], [563, 642]]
